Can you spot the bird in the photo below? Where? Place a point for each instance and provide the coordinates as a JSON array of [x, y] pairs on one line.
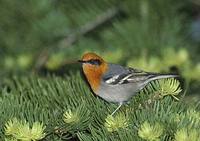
[[115, 83]]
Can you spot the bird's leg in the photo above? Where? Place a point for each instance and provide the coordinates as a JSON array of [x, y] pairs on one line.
[[120, 104]]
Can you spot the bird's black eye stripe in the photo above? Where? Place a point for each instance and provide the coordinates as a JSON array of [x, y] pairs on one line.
[[94, 62]]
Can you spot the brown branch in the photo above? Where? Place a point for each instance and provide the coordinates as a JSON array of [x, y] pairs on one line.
[[91, 26], [75, 36]]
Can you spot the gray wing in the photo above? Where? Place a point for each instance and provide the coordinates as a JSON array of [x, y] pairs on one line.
[[121, 75]]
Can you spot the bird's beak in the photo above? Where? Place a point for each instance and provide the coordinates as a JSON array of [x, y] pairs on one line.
[[81, 61]]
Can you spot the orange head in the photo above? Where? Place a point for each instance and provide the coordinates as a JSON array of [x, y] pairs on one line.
[[93, 67]]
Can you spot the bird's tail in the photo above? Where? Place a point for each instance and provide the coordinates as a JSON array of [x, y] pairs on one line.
[[160, 76]]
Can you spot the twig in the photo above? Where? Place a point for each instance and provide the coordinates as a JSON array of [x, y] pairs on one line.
[[91, 26], [75, 36]]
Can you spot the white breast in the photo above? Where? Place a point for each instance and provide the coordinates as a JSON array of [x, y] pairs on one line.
[[117, 93]]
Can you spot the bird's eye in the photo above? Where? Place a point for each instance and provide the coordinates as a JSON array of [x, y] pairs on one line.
[[95, 62]]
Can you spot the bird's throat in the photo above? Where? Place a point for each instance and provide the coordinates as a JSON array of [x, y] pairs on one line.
[[94, 76]]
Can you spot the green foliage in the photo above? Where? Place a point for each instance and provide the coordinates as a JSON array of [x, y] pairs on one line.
[[142, 26], [168, 87], [21, 130], [187, 135], [169, 58], [67, 108], [115, 123], [150, 35], [149, 132], [147, 35]]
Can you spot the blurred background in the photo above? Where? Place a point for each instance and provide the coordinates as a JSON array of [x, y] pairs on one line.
[[48, 36]]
